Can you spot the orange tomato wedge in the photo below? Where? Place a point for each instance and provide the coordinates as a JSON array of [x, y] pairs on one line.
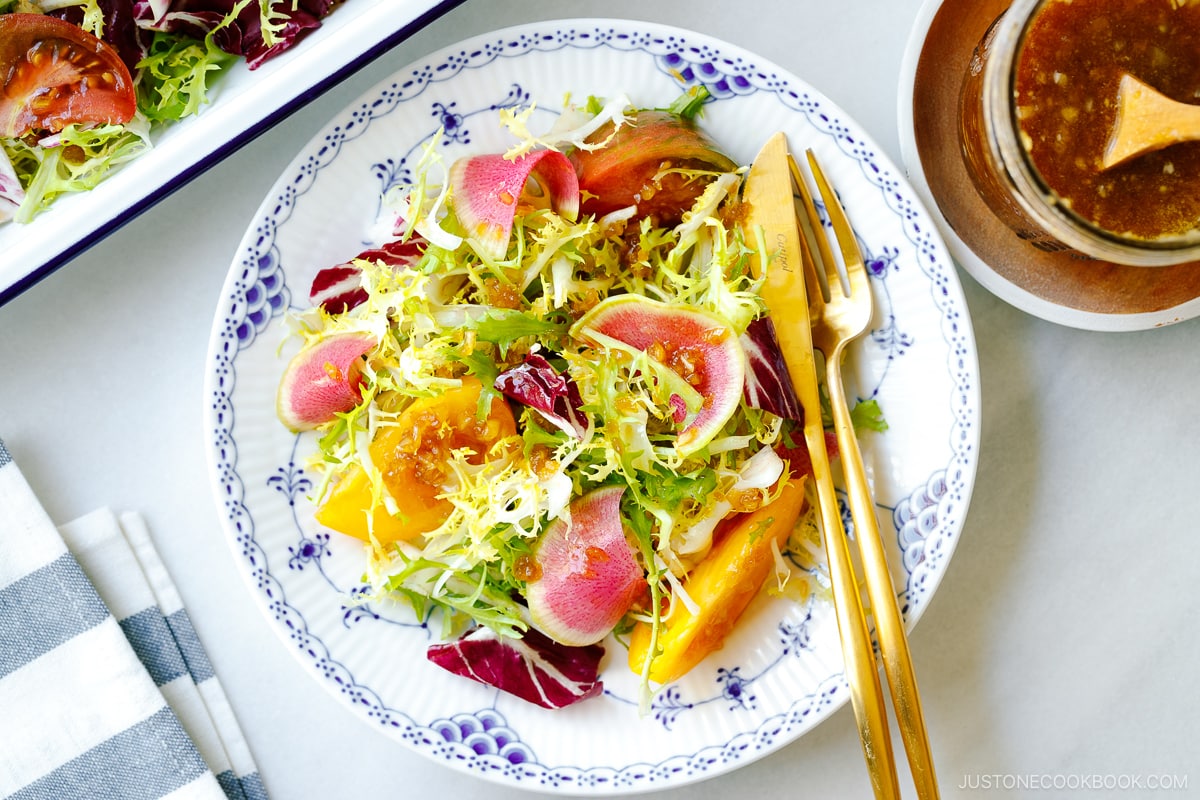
[[413, 459], [722, 585]]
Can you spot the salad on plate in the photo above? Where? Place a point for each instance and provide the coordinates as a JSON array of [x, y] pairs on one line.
[[551, 405], [85, 83]]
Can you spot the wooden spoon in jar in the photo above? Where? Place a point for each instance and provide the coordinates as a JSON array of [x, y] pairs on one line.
[[1147, 120]]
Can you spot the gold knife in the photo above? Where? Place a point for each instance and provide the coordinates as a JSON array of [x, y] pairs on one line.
[[771, 215]]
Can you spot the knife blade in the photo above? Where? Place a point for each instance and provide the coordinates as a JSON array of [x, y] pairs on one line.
[[771, 228]]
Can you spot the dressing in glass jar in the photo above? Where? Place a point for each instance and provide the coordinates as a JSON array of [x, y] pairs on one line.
[[1038, 104]]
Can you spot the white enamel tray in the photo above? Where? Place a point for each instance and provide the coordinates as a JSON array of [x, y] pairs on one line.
[[244, 103]]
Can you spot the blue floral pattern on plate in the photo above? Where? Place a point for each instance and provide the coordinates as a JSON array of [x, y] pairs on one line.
[[919, 360]]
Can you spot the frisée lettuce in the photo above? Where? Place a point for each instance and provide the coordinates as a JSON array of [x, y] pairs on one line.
[[614, 347]]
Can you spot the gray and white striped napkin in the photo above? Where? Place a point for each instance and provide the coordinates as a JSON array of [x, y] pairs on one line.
[[105, 690]]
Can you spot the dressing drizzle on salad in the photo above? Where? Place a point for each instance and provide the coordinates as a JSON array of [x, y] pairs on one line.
[[570, 398]]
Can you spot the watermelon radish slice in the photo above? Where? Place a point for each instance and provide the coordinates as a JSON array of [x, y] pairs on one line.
[[487, 189], [321, 380], [698, 345], [588, 576]]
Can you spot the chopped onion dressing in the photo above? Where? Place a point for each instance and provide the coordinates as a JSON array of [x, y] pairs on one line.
[[450, 313]]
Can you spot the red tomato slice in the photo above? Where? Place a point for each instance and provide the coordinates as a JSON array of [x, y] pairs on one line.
[[55, 73], [622, 173]]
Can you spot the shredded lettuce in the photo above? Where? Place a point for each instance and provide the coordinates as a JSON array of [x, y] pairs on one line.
[[454, 314], [175, 74], [78, 160]]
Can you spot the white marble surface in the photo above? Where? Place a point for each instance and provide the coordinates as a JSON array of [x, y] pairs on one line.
[[1059, 649]]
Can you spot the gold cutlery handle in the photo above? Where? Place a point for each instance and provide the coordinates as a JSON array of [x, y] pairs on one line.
[[889, 626], [862, 672], [771, 223]]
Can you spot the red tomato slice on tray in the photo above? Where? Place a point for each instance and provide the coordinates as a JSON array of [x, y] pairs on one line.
[[55, 73]]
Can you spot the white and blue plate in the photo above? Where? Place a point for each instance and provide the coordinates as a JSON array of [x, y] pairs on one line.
[[780, 673]]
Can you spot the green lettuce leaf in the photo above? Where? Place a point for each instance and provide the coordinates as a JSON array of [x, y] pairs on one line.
[[175, 75], [80, 160]]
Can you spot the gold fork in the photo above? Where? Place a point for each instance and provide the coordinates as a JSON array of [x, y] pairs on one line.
[[838, 318]]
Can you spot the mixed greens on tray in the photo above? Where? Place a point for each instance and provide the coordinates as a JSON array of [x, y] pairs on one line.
[[86, 82], [552, 405]]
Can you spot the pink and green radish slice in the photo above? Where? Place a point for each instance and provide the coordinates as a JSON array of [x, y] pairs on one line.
[[696, 344], [322, 380], [488, 188], [588, 575]]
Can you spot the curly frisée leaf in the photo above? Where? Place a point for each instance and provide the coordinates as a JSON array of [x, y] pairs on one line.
[[572, 129], [273, 22], [503, 327], [74, 160], [175, 75], [91, 15]]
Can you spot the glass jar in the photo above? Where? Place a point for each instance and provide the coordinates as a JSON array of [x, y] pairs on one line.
[[996, 152]]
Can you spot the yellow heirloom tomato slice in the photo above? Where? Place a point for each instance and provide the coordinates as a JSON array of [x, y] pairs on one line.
[[722, 585], [412, 457]]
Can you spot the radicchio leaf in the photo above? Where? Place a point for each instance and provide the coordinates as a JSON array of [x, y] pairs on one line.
[[679, 408], [338, 289], [534, 667], [768, 384], [11, 193], [554, 396], [244, 37], [119, 29]]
